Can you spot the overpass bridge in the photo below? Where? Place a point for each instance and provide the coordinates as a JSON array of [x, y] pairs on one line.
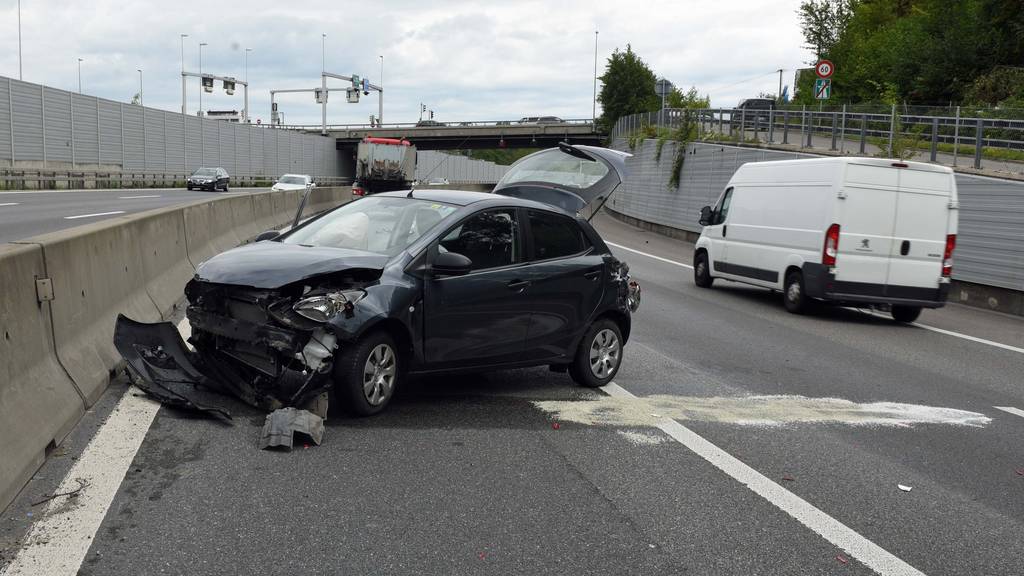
[[430, 135]]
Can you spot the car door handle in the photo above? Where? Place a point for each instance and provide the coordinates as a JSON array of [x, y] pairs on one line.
[[518, 284], [592, 275]]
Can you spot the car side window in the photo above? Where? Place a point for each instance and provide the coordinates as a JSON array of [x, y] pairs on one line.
[[555, 236], [722, 210], [489, 239]]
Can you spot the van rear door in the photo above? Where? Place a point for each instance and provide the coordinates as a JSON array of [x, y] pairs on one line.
[[919, 232], [867, 214]]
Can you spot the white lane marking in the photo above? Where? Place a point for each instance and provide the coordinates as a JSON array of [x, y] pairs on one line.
[[92, 215], [133, 197], [58, 542], [923, 326], [870, 554], [1011, 410], [666, 260], [9, 204]]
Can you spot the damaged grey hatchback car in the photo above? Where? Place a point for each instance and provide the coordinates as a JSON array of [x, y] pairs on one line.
[[358, 298]]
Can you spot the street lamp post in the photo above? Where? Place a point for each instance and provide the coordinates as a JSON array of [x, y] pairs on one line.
[[201, 44], [593, 112], [380, 104], [140, 87], [19, 40], [183, 97], [323, 83], [79, 75], [246, 75]]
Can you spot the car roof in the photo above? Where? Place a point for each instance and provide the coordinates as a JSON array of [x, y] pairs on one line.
[[466, 197]]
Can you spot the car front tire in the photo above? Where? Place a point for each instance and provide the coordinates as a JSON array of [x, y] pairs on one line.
[[599, 355], [702, 270], [225, 186], [189, 186], [366, 374]]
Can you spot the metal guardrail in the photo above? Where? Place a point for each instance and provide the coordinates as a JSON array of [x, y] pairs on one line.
[[937, 138], [49, 180]]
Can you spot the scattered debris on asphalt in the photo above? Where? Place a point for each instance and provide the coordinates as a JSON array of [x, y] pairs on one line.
[[789, 478], [282, 425], [70, 493], [905, 488], [555, 425], [1020, 471], [841, 558]]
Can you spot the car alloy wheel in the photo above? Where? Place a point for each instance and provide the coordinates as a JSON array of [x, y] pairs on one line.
[[605, 353], [379, 374]]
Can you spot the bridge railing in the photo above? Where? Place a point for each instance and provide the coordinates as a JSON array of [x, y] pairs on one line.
[[980, 138], [434, 124]]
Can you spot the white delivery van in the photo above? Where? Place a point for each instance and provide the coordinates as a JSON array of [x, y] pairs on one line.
[[848, 231]]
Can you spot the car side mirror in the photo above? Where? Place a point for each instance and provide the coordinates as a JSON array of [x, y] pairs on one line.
[[451, 264], [268, 235], [705, 215]]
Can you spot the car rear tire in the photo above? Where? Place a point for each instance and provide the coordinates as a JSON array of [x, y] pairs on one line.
[[905, 314], [702, 271], [793, 295], [366, 374], [599, 355]]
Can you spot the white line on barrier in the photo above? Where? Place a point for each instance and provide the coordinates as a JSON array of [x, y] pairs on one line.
[[871, 554], [666, 260], [92, 215], [133, 197], [1011, 410], [9, 204], [58, 542]]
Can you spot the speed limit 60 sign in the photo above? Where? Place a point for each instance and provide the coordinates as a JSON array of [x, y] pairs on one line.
[[824, 68]]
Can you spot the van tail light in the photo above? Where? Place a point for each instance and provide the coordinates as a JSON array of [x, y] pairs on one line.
[[947, 256], [831, 248]]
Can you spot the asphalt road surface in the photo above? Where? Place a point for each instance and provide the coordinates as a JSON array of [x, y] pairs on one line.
[[741, 465], [25, 214]]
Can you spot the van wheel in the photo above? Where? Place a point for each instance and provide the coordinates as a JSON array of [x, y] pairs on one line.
[[701, 272], [793, 293], [905, 314]]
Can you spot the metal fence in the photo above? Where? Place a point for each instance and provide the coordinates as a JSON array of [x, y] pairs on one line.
[[56, 136], [990, 241], [979, 138]]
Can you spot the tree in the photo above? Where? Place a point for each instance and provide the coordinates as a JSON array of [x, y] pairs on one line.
[[823, 22], [137, 99], [690, 99], [627, 87]]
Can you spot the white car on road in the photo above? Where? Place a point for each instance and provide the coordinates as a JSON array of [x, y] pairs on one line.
[[293, 182]]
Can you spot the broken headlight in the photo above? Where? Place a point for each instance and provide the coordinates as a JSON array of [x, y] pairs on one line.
[[321, 307]]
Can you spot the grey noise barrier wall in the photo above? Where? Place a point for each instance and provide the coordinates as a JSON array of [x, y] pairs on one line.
[[988, 264], [57, 355]]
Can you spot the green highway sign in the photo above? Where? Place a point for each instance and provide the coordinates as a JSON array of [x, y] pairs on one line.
[[822, 88]]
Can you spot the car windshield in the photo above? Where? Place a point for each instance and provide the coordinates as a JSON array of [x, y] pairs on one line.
[[556, 167], [292, 180], [384, 225], [205, 172]]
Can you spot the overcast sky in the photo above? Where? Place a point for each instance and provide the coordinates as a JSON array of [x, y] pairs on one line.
[[477, 60]]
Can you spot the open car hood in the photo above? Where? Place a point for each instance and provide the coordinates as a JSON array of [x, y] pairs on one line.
[[570, 176]]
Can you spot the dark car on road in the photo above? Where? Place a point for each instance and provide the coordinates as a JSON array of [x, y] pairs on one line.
[[399, 283], [209, 179]]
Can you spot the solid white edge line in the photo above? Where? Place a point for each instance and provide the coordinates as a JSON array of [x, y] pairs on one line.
[[9, 204], [666, 260], [1011, 410], [91, 215], [59, 540], [842, 536], [134, 197], [923, 326]]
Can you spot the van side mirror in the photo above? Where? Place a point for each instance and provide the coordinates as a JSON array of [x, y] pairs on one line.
[[705, 215], [267, 235], [451, 264]]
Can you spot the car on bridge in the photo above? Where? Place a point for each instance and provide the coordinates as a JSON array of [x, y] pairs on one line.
[[541, 120], [429, 123], [355, 300], [209, 179]]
